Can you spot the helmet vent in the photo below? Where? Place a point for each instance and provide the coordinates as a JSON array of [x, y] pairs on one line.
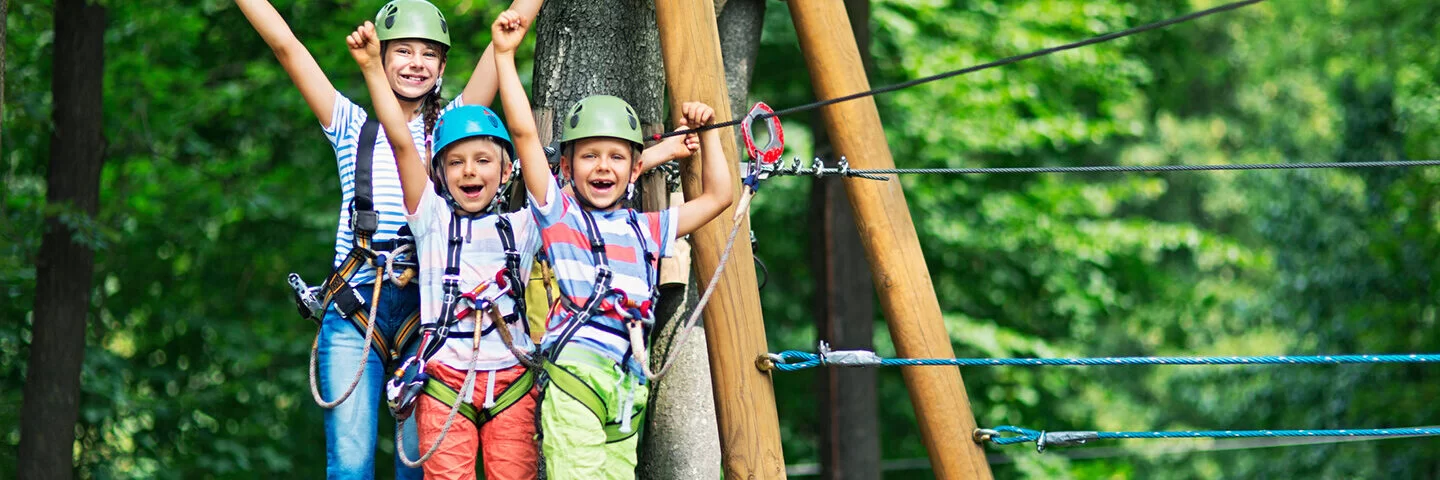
[[390, 20], [575, 120], [444, 27]]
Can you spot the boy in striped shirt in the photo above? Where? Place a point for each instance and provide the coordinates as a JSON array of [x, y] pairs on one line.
[[605, 257]]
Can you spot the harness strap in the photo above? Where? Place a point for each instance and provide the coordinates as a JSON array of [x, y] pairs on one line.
[[510, 396], [363, 219], [450, 285], [566, 381], [603, 276], [512, 269]]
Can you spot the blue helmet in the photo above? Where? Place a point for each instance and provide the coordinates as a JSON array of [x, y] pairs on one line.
[[460, 123]]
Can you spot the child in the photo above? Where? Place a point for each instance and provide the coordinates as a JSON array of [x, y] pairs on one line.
[[463, 244], [416, 41], [605, 258]]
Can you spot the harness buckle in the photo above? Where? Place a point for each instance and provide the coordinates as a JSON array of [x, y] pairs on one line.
[[603, 272], [364, 221]]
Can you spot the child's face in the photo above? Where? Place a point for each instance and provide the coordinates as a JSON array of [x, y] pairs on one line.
[[602, 169], [413, 66], [474, 171]]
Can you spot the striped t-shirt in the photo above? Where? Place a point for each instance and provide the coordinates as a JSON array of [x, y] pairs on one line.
[[568, 246], [344, 134], [482, 255]]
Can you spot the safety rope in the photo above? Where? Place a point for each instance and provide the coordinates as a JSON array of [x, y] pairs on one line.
[[689, 325], [466, 395], [364, 355], [1043, 439], [972, 69], [791, 360]]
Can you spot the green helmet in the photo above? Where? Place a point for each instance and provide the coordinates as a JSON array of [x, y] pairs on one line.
[[602, 116], [412, 19]]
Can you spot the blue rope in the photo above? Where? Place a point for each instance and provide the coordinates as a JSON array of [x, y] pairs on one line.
[[791, 360], [1044, 439]]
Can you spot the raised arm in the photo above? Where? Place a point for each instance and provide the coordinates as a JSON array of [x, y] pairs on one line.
[[365, 47], [483, 84], [319, 93], [507, 32], [717, 192]]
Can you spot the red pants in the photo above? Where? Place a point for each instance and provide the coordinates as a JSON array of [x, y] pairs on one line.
[[507, 442]]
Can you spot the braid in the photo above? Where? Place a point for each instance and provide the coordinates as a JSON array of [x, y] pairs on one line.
[[430, 107]]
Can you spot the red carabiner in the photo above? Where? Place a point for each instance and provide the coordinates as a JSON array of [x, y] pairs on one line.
[[775, 147]]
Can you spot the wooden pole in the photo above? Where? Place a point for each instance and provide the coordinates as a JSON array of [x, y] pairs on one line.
[[735, 331], [891, 245]]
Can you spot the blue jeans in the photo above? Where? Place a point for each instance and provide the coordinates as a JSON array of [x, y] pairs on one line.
[[351, 427]]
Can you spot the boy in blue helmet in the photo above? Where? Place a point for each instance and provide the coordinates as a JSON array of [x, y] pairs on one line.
[[473, 260]]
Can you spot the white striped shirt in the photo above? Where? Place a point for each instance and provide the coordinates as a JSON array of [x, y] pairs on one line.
[[344, 135], [481, 256]]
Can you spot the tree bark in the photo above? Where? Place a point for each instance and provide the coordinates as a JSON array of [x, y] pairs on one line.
[[4, 14], [66, 266], [845, 309]]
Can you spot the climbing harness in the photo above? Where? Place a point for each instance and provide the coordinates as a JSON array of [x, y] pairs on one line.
[[313, 302], [620, 427], [401, 395]]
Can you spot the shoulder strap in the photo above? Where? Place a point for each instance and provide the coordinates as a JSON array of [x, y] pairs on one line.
[[363, 220], [580, 314], [450, 284], [651, 262], [512, 265]]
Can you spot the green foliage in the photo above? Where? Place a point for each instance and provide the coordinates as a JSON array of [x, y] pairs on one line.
[[218, 182]]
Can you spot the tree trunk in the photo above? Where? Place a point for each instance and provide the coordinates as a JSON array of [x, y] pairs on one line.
[[65, 267], [4, 14], [845, 310]]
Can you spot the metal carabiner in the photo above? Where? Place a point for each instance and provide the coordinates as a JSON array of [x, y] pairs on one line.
[[775, 146]]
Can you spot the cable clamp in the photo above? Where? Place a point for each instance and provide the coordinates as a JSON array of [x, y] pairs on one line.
[[1063, 439], [847, 358]]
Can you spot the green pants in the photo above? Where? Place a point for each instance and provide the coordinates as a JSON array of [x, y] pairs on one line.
[[575, 439]]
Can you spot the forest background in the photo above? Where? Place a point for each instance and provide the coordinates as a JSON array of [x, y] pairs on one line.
[[217, 182]]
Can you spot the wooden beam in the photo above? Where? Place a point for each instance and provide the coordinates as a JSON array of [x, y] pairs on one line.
[[735, 331], [906, 293]]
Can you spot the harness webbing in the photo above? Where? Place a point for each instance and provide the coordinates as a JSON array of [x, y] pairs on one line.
[[581, 314], [509, 397], [572, 385], [363, 219], [450, 285]]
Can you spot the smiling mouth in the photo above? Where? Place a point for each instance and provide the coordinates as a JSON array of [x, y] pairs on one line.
[[417, 80], [472, 191], [601, 185]]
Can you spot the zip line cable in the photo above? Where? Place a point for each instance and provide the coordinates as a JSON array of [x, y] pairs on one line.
[[1144, 168], [972, 69], [1010, 435], [791, 360]]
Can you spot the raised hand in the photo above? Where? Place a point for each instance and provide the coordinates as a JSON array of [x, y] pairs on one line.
[[507, 32], [697, 114], [364, 45]]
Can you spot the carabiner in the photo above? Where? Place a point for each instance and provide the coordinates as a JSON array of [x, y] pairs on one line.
[[775, 146]]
